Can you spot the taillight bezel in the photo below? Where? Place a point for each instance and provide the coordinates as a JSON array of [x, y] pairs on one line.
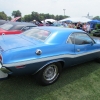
[[0, 58]]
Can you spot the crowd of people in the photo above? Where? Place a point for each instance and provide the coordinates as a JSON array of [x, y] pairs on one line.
[[83, 26]]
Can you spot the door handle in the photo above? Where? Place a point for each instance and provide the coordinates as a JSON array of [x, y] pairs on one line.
[[78, 50]]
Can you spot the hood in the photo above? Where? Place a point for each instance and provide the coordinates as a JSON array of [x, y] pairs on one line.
[[14, 41]]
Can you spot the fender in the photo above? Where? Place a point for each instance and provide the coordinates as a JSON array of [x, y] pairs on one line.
[[50, 62]]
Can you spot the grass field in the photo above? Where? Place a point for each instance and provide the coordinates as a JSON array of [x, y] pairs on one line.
[[80, 82]]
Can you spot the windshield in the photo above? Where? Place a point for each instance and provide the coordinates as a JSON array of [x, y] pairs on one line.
[[37, 33], [6, 26]]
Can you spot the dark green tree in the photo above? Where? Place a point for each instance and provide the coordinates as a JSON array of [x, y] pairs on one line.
[[42, 16], [97, 17], [35, 16], [52, 16], [3, 16], [27, 18], [16, 13], [9, 18]]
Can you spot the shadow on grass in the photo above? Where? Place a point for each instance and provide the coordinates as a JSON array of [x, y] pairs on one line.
[[25, 87]]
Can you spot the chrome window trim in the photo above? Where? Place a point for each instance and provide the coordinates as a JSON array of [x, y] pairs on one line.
[[82, 33], [69, 37]]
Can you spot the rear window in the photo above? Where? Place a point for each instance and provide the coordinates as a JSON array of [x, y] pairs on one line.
[[17, 27], [6, 26], [37, 33]]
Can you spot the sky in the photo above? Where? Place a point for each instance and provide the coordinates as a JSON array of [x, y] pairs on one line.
[[73, 8]]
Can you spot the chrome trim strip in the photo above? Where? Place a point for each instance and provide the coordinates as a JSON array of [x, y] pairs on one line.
[[48, 58]]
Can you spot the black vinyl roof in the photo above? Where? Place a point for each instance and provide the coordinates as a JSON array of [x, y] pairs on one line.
[[3, 22], [16, 25]]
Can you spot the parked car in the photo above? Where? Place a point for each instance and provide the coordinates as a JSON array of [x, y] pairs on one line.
[[45, 51], [96, 32], [42, 23], [3, 22], [15, 27]]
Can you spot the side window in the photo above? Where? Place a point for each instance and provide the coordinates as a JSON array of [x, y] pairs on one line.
[[82, 38], [25, 28], [17, 27], [71, 39]]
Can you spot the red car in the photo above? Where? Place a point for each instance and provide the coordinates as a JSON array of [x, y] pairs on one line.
[[15, 27]]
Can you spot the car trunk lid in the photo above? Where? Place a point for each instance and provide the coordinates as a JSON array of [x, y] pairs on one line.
[[14, 41]]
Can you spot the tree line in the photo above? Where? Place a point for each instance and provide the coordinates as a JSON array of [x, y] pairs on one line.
[[33, 16]]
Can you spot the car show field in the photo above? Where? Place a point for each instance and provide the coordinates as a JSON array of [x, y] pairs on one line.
[[80, 82]]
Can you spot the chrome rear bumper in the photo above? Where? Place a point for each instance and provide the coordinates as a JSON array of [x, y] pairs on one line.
[[2, 74], [5, 70]]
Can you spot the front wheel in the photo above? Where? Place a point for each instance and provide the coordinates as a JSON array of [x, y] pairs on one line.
[[49, 74]]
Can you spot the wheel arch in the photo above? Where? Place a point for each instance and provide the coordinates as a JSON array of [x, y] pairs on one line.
[[62, 62]]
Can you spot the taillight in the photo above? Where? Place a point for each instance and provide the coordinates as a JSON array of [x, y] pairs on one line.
[[0, 58]]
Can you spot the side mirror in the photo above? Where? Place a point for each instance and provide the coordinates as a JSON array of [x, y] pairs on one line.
[[91, 42]]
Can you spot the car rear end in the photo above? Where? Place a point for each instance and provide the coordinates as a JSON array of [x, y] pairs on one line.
[[9, 45], [3, 70]]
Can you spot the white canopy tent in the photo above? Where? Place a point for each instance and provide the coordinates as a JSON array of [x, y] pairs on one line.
[[50, 20], [76, 19]]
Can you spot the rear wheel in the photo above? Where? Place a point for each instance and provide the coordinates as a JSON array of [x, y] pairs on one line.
[[49, 74], [98, 60]]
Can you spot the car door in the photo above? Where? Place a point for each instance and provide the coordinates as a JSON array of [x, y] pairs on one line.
[[70, 50], [85, 48]]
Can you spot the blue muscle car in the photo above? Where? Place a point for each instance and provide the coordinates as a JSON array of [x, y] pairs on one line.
[[45, 51]]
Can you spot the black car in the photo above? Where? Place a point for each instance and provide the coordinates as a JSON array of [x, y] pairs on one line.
[[96, 32], [3, 22]]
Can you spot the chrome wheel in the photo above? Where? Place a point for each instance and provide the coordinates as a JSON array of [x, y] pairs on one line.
[[50, 72]]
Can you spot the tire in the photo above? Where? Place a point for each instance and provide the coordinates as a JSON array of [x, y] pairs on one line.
[[98, 60], [49, 74], [93, 34]]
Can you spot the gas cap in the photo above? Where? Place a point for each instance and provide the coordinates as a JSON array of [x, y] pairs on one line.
[[38, 52]]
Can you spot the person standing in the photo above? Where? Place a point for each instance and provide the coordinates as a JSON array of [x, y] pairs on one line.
[[88, 28], [44, 23], [79, 25], [84, 27], [65, 24]]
